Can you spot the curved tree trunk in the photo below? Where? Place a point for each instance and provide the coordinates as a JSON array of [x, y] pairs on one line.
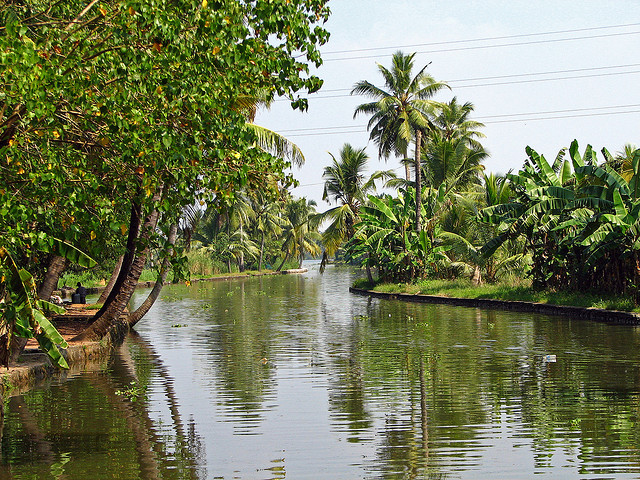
[[284, 260], [57, 265], [125, 285], [418, 179], [261, 252], [114, 276], [128, 257], [142, 310]]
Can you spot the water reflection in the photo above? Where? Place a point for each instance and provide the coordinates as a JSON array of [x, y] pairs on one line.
[[84, 428], [293, 377]]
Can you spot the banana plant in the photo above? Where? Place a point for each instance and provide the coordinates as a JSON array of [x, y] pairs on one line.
[[581, 220], [23, 314], [385, 238]]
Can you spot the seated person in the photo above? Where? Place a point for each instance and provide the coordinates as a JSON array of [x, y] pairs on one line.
[[82, 293]]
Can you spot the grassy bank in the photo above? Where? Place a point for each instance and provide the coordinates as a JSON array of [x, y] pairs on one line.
[[517, 290]]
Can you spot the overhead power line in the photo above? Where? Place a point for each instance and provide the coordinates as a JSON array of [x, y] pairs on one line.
[[485, 39], [515, 75], [340, 129], [313, 132], [452, 83], [496, 45]]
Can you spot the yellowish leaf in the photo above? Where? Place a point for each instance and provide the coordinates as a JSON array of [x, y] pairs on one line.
[[123, 228]]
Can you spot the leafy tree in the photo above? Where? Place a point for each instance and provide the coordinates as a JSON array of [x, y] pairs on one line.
[[128, 104], [400, 114]]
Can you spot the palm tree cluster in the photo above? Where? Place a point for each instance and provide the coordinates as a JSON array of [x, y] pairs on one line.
[[447, 164], [253, 232]]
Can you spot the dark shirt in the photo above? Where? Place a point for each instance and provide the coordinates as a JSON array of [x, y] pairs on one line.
[[82, 291]]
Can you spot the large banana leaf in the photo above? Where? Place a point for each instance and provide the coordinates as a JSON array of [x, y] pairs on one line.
[[72, 254], [29, 321], [607, 175], [545, 170], [50, 339]]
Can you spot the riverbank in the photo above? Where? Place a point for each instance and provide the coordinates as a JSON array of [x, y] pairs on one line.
[[475, 300]]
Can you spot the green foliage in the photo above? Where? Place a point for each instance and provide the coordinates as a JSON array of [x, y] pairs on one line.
[[118, 103], [385, 238], [22, 314], [582, 228]]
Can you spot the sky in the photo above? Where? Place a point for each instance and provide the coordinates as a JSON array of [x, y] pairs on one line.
[[539, 74]]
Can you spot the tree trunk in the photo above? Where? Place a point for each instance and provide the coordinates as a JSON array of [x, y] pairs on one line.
[[241, 262], [284, 260], [57, 265], [142, 310], [407, 171], [369, 275], [114, 276], [261, 251], [124, 287], [418, 179], [129, 255], [476, 278]]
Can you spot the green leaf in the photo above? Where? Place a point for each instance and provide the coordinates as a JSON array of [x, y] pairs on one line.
[[72, 254]]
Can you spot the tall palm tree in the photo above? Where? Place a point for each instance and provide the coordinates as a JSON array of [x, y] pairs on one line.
[[452, 161], [453, 121], [268, 220], [346, 184], [300, 235], [453, 155], [400, 113]]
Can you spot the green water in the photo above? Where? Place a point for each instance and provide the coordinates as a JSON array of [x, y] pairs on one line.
[[293, 377]]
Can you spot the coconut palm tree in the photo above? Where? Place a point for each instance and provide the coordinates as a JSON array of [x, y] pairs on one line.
[[401, 112], [266, 139], [300, 235], [453, 121], [452, 161], [346, 184], [268, 220], [453, 155]]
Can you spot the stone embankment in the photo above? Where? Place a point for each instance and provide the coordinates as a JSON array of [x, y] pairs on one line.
[[596, 314]]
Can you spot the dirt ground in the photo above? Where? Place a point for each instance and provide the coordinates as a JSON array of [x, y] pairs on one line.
[[70, 324]]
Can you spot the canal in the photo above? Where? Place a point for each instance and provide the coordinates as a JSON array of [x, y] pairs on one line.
[[294, 377]]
